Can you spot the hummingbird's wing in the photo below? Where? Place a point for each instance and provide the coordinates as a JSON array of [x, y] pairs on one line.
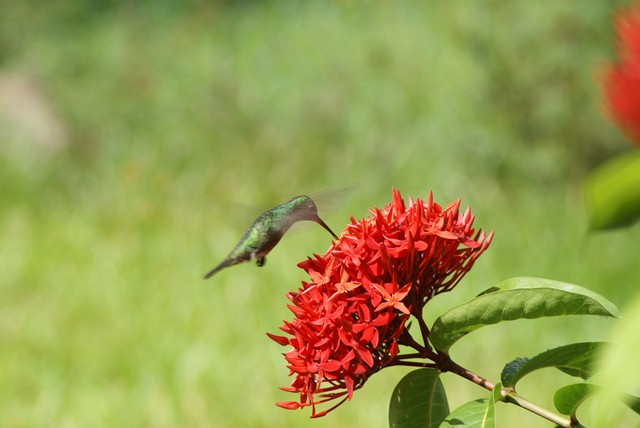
[[282, 223], [329, 200], [302, 214], [326, 202]]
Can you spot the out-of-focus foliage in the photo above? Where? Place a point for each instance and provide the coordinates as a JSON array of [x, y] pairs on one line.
[[621, 375], [612, 192], [134, 134]]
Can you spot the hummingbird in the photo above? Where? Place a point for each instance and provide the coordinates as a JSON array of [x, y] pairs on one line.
[[267, 230]]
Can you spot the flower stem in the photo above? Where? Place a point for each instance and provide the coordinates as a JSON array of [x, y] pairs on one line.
[[407, 340], [513, 398], [408, 356], [396, 362], [424, 330], [446, 364]]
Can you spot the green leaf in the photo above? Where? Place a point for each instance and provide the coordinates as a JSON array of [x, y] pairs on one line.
[[419, 400], [577, 359], [474, 414], [612, 192], [568, 398], [511, 371], [497, 392], [513, 299], [633, 401]]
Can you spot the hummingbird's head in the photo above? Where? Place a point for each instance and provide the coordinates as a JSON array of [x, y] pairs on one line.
[[305, 209]]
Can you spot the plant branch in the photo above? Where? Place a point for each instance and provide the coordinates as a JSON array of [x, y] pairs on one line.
[[446, 364], [408, 340], [513, 398], [424, 330], [407, 356], [396, 362]]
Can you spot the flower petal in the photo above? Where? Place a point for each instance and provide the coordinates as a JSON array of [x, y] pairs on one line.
[[279, 339]]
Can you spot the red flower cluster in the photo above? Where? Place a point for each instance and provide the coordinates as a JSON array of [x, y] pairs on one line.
[[621, 83], [350, 318]]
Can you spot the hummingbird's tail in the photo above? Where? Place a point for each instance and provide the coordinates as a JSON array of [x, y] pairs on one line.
[[216, 269]]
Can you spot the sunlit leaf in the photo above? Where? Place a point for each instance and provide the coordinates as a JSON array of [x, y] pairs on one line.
[[474, 414], [612, 192], [568, 398], [419, 400], [577, 359], [633, 401], [497, 392], [517, 298]]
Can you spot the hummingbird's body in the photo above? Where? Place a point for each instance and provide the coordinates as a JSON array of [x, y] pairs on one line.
[[267, 230]]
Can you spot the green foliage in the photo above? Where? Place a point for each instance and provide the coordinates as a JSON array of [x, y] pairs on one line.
[[419, 400], [633, 401], [577, 359], [568, 398], [474, 414], [619, 372], [496, 394], [517, 298], [612, 192]]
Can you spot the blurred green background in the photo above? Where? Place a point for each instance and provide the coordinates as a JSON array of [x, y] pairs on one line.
[[139, 139]]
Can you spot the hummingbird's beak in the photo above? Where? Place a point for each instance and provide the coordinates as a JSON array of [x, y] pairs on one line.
[[323, 224]]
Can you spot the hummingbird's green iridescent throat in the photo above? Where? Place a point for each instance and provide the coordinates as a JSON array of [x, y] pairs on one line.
[[267, 230]]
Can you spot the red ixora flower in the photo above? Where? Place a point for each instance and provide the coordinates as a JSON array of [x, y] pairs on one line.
[[350, 317], [621, 81]]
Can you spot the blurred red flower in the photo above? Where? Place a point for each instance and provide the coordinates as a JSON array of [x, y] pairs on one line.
[[350, 318], [621, 81]]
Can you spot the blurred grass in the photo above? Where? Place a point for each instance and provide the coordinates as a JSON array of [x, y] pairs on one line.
[[177, 114]]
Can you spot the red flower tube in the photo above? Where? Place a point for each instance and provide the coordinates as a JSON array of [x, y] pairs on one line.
[[621, 81]]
